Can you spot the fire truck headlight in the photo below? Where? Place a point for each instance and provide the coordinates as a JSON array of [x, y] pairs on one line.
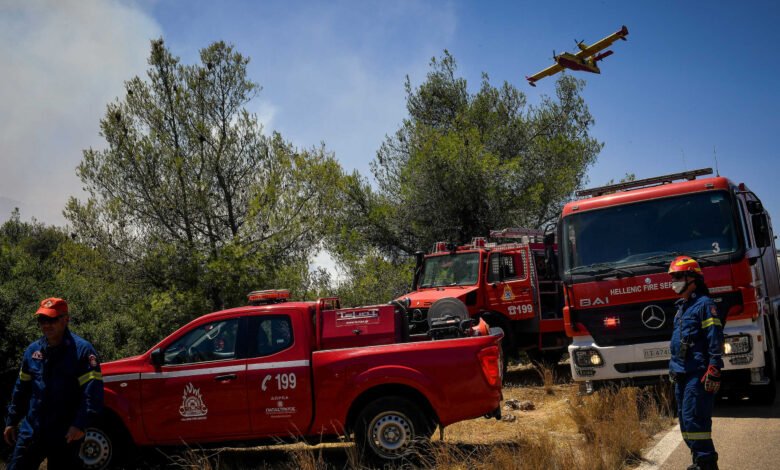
[[588, 358], [739, 344]]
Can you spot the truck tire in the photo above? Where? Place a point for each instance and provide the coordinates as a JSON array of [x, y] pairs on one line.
[[447, 307], [106, 445], [549, 358], [765, 394], [392, 430]]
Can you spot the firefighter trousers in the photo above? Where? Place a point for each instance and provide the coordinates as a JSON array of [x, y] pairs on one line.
[[694, 406], [29, 453]]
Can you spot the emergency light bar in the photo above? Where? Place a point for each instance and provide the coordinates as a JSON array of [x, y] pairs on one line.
[[478, 242], [272, 296], [516, 233], [439, 247], [654, 181]]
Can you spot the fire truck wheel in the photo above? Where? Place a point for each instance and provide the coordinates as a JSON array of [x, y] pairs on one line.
[[105, 445], [765, 394], [391, 430], [547, 359]]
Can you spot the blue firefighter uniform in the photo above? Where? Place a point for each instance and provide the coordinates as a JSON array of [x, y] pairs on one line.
[[698, 326], [58, 387]]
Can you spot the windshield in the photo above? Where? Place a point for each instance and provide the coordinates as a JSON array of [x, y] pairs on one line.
[[458, 269], [697, 225]]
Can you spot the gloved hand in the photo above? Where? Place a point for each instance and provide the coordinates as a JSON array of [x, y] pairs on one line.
[[711, 379]]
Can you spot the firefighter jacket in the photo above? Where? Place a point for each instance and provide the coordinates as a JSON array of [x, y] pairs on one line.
[[697, 341], [58, 387]]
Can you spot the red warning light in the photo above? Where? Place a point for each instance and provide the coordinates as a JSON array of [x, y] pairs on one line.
[[611, 322], [260, 297], [439, 247]]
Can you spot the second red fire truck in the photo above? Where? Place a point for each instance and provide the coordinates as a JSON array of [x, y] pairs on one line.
[[511, 284]]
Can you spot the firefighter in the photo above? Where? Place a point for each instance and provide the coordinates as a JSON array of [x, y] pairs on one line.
[[58, 393], [696, 347]]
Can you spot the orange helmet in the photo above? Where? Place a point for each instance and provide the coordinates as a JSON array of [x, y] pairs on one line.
[[686, 265]]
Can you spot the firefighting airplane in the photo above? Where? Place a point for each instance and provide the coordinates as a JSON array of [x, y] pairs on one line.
[[584, 60]]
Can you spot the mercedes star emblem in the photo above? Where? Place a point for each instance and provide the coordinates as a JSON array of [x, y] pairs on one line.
[[653, 317]]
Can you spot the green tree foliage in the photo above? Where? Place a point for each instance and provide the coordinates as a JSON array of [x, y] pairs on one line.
[[37, 262], [461, 164], [191, 198]]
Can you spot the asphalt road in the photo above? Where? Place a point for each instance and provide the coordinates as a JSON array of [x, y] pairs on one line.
[[746, 436]]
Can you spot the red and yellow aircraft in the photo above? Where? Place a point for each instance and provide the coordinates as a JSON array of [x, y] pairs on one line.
[[584, 60]]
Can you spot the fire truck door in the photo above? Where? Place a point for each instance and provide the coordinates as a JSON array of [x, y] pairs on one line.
[[510, 288], [200, 390], [279, 376]]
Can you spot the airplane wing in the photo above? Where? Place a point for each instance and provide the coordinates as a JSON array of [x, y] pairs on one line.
[[551, 70], [603, 44]]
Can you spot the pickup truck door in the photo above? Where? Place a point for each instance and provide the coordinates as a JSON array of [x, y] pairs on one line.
[[199, 393], [510, 287], [279, 374]]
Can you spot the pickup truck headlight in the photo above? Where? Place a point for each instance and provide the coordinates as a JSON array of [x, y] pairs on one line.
[[739, 344], [588, 358]]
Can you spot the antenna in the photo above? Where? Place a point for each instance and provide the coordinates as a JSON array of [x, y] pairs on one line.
[[715, 154], [685, 167]]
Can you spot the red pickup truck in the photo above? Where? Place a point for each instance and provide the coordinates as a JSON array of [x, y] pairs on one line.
[[297, 369]]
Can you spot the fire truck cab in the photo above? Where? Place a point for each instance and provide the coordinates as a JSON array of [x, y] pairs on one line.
[[511, 283], [615, 250]]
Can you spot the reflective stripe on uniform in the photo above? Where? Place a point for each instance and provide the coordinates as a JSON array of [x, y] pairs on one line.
[[24, 377], [711, 321], [91, 375], [697, 436]]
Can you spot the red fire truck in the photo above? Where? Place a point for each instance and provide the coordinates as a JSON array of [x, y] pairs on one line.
[[615, 250], [289, 370], [511, 285]]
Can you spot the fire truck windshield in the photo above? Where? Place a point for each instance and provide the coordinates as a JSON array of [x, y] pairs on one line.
[[451, 269], [649, 232]]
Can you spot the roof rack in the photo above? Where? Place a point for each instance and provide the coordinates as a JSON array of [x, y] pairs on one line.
[[531, 233], [656, 180]]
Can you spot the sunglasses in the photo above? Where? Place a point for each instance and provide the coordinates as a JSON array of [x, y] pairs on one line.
[[678, 277], [46, 320]]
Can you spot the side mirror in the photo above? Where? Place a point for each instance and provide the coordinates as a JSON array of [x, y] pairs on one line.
[[157, 358], [761, 230], [755, 207], [550, 257], [418, 261]]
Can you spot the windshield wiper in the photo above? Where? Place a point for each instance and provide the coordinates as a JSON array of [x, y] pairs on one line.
[[673, 254], [600, 268], [663, 255]]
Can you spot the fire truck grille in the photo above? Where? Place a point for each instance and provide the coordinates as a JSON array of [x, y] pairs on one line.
[[641, 323]]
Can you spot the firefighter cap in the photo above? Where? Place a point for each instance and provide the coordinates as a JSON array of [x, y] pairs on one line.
[[53, 307], [685, 265]]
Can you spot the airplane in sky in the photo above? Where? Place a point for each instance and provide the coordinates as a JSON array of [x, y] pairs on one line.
[[584, 60]]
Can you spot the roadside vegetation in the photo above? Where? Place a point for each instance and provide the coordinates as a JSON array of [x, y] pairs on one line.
[[605, 431]]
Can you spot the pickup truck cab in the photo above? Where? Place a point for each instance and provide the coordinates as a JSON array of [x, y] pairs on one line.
[[296, 369]]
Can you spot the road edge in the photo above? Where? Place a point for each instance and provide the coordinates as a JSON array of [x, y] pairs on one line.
[[657, 455]]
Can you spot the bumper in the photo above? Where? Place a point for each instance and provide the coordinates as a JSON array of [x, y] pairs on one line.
[[652, 359]]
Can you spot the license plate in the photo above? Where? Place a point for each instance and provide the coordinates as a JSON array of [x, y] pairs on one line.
[[657, 353]]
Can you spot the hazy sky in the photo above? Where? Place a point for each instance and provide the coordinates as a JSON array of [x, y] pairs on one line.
[[693, 76]]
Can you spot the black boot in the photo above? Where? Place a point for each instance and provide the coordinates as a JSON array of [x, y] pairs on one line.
[[694, 465], [708, 462]]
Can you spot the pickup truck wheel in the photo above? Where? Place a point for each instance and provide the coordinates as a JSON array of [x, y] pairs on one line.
[[391, 429], [104, 446]]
